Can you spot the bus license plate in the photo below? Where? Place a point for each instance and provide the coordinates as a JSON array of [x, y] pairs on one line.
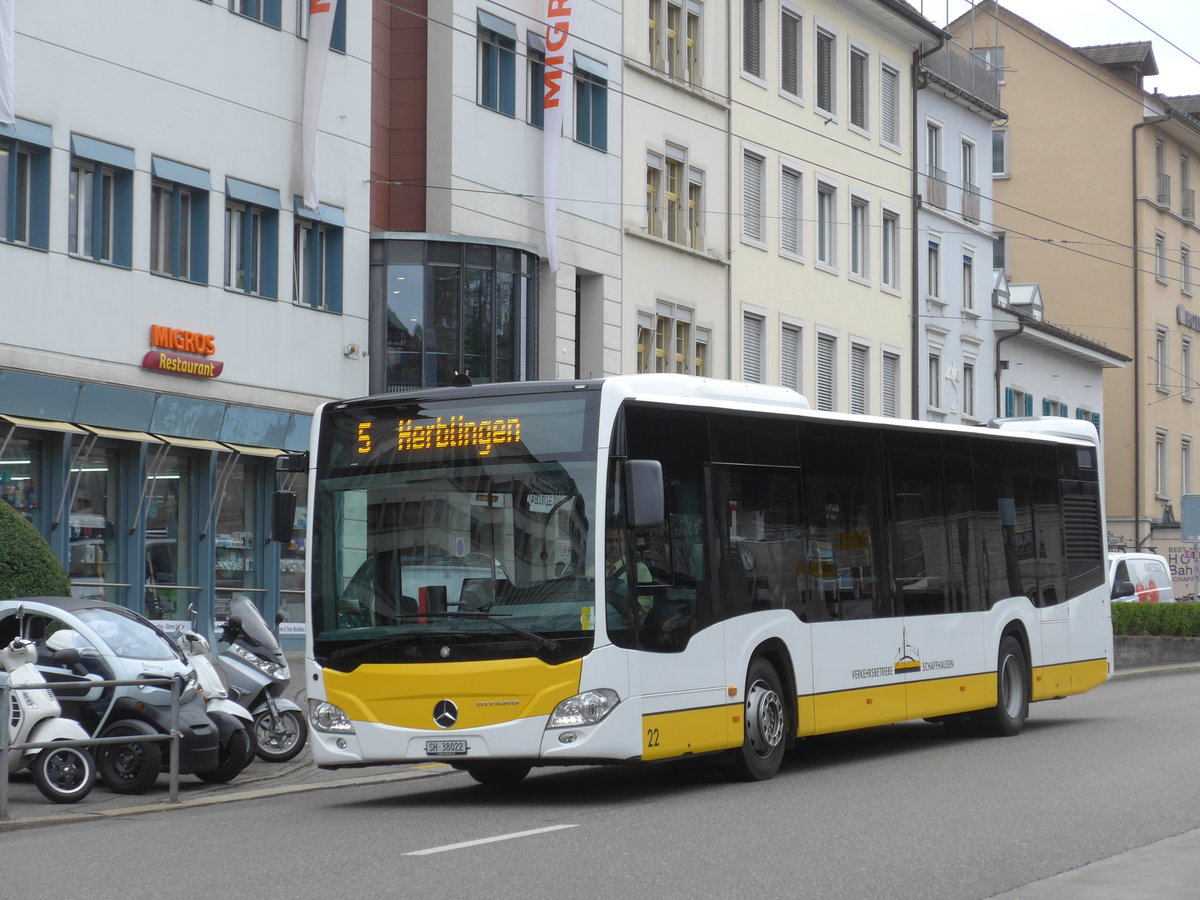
[[446, 748]]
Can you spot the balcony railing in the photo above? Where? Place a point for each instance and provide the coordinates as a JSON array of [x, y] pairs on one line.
[[1188, 202], [1164, 189], [935, 187], [966, 71], [970, 202]]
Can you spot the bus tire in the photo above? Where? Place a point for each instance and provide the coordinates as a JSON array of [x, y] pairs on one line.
[[1008, 716], [498, 774], [766, 723]]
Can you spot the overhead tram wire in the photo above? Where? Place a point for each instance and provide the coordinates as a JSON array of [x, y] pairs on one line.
[[904, 195]]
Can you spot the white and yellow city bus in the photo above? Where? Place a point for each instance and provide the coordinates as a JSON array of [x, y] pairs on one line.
[[655, 567]]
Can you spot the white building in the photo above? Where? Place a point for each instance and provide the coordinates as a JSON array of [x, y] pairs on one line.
[[954, 366], [460, 280], [172, 312]]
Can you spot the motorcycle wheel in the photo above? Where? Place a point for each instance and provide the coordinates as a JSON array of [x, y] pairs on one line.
[[282, 744], [233, 759], [128, 768], [64, 774]]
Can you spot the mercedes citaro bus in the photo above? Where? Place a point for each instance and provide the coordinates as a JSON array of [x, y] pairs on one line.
[[653, 567]]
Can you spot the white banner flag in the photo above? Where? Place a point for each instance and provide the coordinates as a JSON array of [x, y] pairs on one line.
[[320, 30], [8, 110], [558, 74]]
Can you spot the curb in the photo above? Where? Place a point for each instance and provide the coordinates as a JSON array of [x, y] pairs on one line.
[[419, 771]]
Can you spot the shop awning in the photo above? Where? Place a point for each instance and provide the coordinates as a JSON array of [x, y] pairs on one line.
[[121, 435], [44, 424], [191, 443], [247, 450]]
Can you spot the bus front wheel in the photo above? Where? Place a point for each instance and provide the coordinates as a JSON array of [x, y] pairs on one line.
[[766, 723], [1008, 716]]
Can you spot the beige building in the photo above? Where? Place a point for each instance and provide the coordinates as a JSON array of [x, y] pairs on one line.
[[1093, 196], [821, 166]]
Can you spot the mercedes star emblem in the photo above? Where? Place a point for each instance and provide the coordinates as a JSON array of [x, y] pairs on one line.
[[445, 714]]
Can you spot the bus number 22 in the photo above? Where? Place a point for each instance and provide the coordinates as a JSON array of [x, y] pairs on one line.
[[652, 737]]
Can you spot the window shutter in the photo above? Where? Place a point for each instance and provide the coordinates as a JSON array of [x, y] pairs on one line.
[[1009, 403], [751, 29], [889, 95], [1046, 410], [824, 71], [1029, 404], [789, 212], [752, 349], [752, 202], [858, 89], [789, 357], [790, 50], [825, 348], [1096, 421], [858, 380], [891, 383]]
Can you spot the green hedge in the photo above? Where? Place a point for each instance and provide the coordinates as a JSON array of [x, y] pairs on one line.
[[28, 567], [1163, 619]]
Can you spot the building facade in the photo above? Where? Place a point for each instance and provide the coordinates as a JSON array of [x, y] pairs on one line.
[[822, 124], [1094, 199], [954, 358], [460, 280], [173, 313]]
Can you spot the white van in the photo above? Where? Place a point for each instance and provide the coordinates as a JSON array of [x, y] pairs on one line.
[[1140, 578]]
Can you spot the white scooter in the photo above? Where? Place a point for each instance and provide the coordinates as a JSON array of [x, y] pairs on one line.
[[62, 774], [234, 722]]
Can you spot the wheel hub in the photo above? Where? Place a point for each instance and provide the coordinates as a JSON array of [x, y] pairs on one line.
[[765, 719]]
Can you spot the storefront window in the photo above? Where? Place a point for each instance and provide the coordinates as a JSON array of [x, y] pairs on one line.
[[291, 563], [169, 539], [94, 557], [20, 477], [237, 549]]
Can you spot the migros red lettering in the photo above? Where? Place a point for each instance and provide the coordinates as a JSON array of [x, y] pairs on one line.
[[551, 80], [318, 6], [562, 31], [558, 8]]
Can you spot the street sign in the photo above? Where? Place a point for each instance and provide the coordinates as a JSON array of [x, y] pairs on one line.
[[1189, 526]]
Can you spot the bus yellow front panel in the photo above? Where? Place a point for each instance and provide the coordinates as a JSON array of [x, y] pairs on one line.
[[861, 708], [686, 731], [1068, 678], [486, 692]]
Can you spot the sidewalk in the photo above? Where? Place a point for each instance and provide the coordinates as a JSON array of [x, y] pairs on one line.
[[28, 808]]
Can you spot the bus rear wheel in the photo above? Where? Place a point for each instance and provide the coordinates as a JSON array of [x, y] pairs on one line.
[[766, 724], [1008, 716]]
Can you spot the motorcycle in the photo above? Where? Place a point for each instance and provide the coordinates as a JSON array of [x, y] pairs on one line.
[[258, 675], [235, 724], [62, 774], [80, 641]]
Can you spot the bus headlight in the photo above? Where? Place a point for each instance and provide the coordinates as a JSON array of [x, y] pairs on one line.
[[329, 718], [587, 708]]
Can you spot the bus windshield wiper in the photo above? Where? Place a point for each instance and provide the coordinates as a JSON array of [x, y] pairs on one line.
[[536, 639]]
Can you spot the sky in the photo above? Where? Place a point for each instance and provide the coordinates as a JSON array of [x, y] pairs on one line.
[[1081, 23]]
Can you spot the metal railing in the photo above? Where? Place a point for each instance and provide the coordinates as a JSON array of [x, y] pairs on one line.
[[1188, 204], [7, 688], [970, 202], [967, 71], [1163, 189], [935, 187]]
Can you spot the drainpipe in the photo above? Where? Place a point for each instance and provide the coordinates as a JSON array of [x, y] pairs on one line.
[[917, 84], [729, 175], [1137, 341], [1000, 340]]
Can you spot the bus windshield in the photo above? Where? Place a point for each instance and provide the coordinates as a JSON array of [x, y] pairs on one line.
[[455, 529]]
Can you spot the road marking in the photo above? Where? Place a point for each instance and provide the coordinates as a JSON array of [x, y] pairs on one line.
[[490, 840]]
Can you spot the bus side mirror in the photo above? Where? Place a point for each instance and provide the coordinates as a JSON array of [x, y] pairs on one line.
[[283, 515], [644, 495]]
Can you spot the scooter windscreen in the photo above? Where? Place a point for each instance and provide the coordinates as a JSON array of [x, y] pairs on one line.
[[253, 626], [128, 635]]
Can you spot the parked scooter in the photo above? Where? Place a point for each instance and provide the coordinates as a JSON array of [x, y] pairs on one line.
[[258, 675], [234, 722], [62, 774], [83, 640]]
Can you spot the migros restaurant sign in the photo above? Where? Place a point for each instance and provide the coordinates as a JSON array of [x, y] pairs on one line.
[[182, 352]]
